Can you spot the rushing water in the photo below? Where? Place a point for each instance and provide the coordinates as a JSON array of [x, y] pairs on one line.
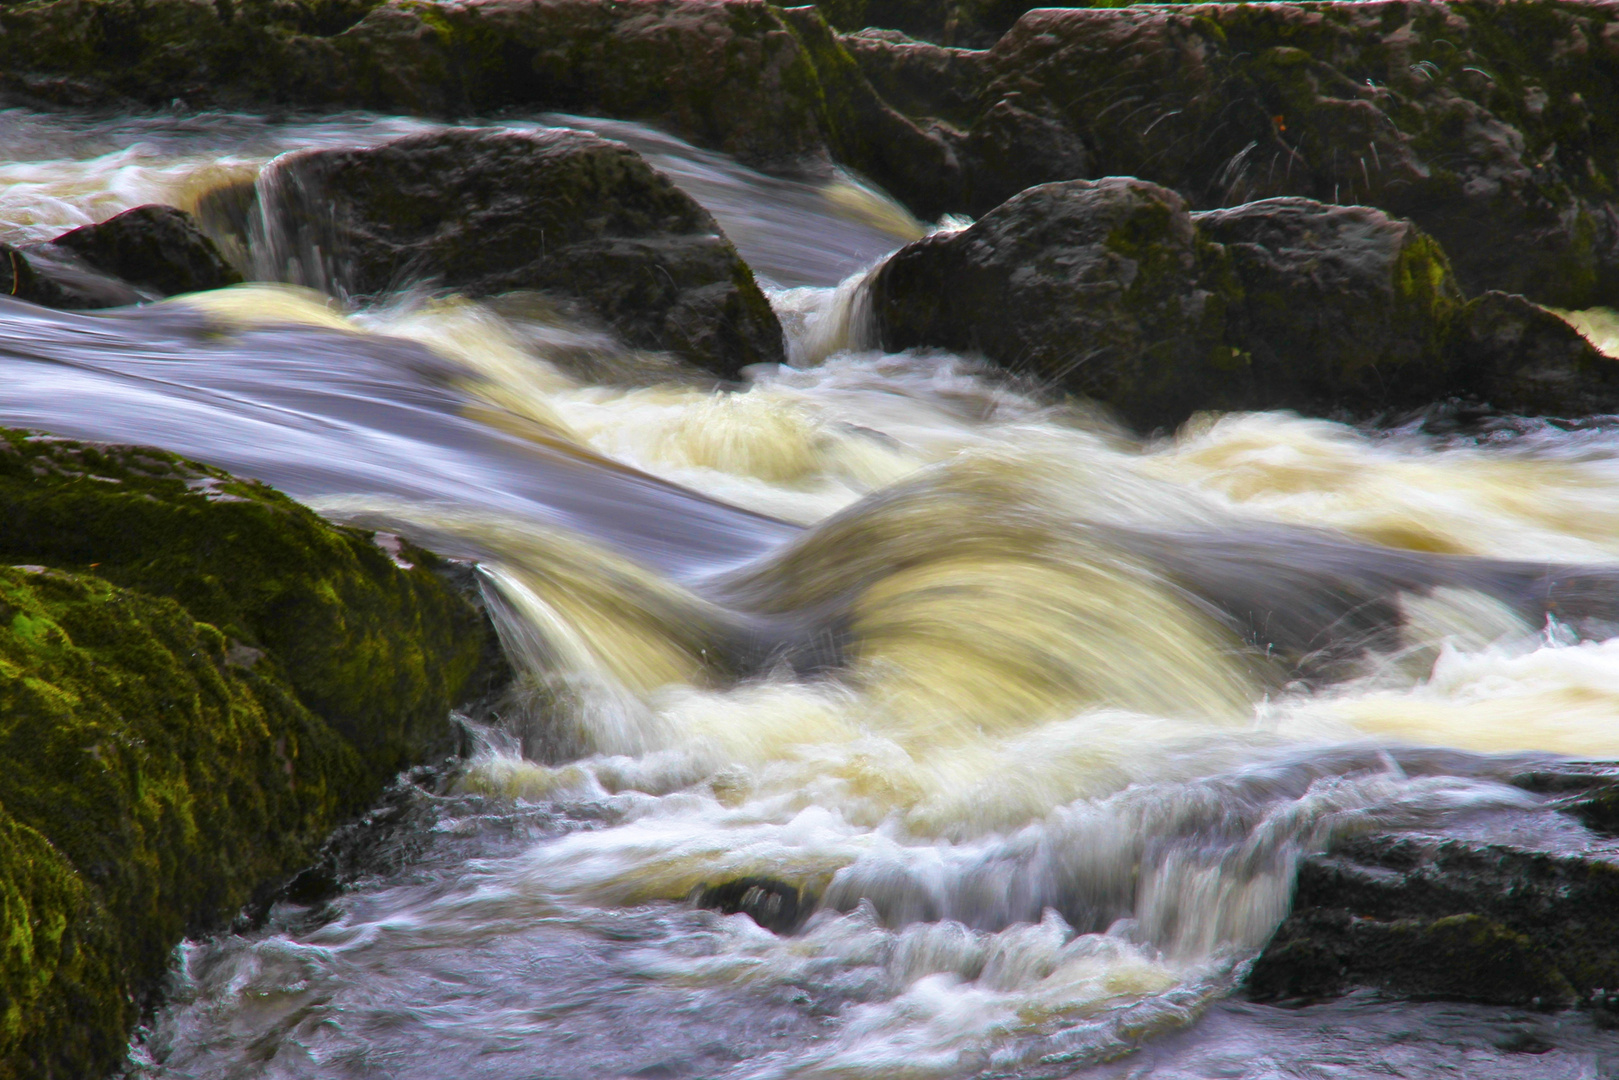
[[963, 664]]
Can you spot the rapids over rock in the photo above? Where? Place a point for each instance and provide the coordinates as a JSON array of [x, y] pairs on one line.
[[879, 714]]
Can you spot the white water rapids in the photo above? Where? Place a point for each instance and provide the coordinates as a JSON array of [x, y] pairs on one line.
[[1049, 804]]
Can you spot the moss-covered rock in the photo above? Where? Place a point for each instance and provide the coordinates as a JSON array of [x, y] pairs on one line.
[[1343, 307], [1111, 289], [1101, 287], [581, 218], [373, 641], [151, 776], [199, 680]]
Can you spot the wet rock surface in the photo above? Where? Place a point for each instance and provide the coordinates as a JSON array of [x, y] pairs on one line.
[[142, 254], [1457, 919], [580, 218], [1342, 307]]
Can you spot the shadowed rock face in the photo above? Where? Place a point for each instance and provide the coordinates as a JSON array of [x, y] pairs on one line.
[[1447, 919], [1103, 287], [578, 217]]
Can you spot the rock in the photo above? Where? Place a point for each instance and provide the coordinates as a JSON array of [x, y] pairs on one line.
[[773, 904], [201, 680], [1112, 290], [1451, 919], [970, 23], [1521, 358], [142, 254], [1490, 125], [55, 277], [773, 88], [1343, 307], [379, 651], [148, 785], [1103, 287], [483, 212], [155, 248], [920, 78]]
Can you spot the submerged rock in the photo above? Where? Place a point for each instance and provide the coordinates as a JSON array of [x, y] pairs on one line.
[[581, 218], [1448, 919], [1113, 290], [199, 680], [142, 254], [770, 902]]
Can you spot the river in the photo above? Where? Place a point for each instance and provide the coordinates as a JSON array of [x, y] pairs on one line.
[[893, 629]]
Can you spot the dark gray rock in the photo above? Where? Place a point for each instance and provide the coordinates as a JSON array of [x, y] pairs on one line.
[[142, 254], [1112, 290], [1521, 358], [578, 217], [918, 77], [1343, 307], [1451, 919], [1102, 287], [157, 249]]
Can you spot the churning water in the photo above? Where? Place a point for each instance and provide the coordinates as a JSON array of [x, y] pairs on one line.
[[975, 671]]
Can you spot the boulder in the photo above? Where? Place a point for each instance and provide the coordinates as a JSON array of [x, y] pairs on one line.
[[1520, 358], [1112, 290], [1447, 918], [201, 680], [375, 642], [581, 218], [1490, 124], [1343, 307], [151, 779], [142, 254], [1102, 287], [157, 249]]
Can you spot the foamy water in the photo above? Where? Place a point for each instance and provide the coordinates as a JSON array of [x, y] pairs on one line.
[[926, 644]]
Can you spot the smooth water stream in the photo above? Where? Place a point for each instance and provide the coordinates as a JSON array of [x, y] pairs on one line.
[[966, 666]]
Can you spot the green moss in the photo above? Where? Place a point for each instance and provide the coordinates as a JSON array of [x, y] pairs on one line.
[[149, 782], [380, 651]]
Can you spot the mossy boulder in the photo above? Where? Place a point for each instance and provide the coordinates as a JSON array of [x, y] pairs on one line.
[[1453, 919], [1103, 287], [199, 680], [142, 254], [373, 641], [483, 212], [151, 778], [1343, 307]]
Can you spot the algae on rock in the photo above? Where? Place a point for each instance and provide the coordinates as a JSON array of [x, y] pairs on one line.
[[150, 779]]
